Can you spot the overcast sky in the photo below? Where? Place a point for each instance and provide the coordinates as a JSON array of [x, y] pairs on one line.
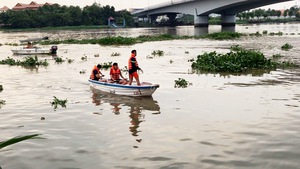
[[119, 4]]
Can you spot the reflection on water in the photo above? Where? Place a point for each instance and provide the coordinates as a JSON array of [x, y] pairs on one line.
[[136, 108]]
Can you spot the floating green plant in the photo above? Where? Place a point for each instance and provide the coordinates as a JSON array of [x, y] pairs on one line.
[[70, 61], [286, 47], [186, 52], [57, 102], [223, 35], [181, 83], [236, 48], [2, 102], [237, 62], [58, 60], [1, 88], [277, 56], [158, 53], [106, 65], [114, 54], [27, 62], [84, 58]]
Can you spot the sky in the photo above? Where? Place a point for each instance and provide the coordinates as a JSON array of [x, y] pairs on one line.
[[121, 4]]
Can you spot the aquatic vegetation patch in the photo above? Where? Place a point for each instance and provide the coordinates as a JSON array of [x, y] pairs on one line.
[[58, 102], [1, 88], [265, 32], [18, 139], [118, 40], [114, 54], [84, 58], [2, 102], [27, 62], [237, 62], [236, 48], [158, 53], [277, 56], [106, 65], [223, 36], [70, 61], [181, 83], [286, 47], [58, 60], [277, 34], [186, 52], [257, 34]]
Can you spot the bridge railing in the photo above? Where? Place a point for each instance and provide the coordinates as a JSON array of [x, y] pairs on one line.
[[171, 2]]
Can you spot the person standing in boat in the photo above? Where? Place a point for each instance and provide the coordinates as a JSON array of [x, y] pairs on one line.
[[96, 73], [115, 74], [133, 68]]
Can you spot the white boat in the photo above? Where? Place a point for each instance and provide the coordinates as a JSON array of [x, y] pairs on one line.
[[146, 89], [34, 50], [31, 51]]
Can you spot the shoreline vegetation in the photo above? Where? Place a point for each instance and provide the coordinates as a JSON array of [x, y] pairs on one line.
[[119, 40]]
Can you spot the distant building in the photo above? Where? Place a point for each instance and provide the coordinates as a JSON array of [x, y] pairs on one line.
[[32, 6], [4, 9]]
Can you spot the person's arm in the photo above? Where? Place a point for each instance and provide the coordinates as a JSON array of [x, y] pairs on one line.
[[111, 76], [122, 76]]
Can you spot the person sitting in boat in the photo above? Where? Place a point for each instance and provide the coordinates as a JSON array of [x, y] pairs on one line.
[[115, 74], [29, 45], [96, 73]]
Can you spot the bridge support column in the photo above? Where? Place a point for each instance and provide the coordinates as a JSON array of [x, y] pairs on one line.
[[201, 21], [172, 17], [152, 19], [228, 20]]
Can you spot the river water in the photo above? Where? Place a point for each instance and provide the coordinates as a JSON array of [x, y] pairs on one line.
[[219, 121]]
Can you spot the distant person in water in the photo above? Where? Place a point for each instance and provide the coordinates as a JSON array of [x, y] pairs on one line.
[[96, 73], [116, 75], [133, 68], [29, 45]]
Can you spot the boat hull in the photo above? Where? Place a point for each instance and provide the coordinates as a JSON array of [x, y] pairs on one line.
[[146, 89], [32, 51]]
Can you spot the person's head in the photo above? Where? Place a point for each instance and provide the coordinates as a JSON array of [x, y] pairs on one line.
[[99, 66], [115, 65], [133, 52]]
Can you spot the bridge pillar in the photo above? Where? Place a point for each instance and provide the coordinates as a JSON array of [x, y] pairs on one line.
[[228, 20], [152, 19], [201, 21], [172, 17]]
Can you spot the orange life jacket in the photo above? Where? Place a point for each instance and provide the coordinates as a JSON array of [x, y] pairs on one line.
[[92, 74], [130, 62], [115, 73]]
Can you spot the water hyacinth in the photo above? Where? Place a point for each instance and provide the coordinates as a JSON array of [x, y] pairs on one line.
[[27, 62], [237, 62]]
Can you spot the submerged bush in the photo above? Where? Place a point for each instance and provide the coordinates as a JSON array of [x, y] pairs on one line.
[[286, 47], [181, 83], [27, 62], [237, 62]]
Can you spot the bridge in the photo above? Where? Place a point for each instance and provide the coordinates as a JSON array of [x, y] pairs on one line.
[[201, 9]]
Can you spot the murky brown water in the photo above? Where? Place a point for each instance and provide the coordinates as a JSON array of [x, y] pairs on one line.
[[218, 122]]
